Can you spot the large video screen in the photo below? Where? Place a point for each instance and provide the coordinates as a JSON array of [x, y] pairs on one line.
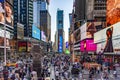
[[88, 45], [113, 12], [22, 46], [108, 39], [6, 13], [43, 37], [60, 44], [35, 32]]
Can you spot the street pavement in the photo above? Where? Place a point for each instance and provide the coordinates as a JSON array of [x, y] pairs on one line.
[[85, 75], [52, 76]]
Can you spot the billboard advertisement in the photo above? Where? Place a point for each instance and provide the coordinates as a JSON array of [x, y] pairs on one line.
[[20, 31], [35, 32], [93, 27], [108, 38], [2, 42], [77, 35], [67, 44], [113, 12], [22, 46], [43, 37], [6, 13], [88, 45], [60, 47]]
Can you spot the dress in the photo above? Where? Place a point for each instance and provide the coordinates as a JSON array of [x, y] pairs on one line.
[[109, 45]]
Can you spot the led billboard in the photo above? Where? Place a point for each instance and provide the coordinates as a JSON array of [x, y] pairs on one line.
[[35, 32], [22, 46], [108, 39], [43, 37], [77, 35], [60, 48], [6, 13], [88, 45], [113, 12], [67, 44]]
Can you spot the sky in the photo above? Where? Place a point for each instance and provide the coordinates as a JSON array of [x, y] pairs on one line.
[[66, 6]]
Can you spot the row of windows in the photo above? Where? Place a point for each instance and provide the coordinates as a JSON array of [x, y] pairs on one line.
[[99, 4], [99, 1], [100, 8]]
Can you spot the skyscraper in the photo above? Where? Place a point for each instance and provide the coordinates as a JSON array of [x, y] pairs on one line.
[[45, 19], [23, 13], [60, 21]]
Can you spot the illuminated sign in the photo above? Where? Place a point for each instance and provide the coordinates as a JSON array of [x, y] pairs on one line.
[[60, 44], [35, 32], [22, 46], [88, 45]]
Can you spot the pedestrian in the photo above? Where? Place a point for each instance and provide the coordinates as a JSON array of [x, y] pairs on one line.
[[109, 69]]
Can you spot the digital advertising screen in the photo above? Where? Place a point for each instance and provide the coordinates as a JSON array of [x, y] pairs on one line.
[[22, 46], [108, 39], [43, 37], [88, 45], [35, 32], [6, 13], [60, 47], [113, 12], [77, 35], [67, 44]]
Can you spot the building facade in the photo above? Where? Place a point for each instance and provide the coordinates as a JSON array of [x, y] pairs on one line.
[[60, 31], [23, 13]]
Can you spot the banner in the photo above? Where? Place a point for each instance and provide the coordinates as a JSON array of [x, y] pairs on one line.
[[108, 39]]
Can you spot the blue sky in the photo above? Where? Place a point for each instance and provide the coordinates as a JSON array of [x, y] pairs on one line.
[[65, 5]]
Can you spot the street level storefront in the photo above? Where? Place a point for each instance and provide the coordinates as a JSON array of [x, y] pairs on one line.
[[9, 36], [108, 41]]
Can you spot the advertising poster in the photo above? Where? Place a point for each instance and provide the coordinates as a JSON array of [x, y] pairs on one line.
[[22, 46], [89, 28], [77, 35], [43, 37], [108, 39], [113, 12], [6, 13], [2, 42], [35, 32], [88, 45]]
